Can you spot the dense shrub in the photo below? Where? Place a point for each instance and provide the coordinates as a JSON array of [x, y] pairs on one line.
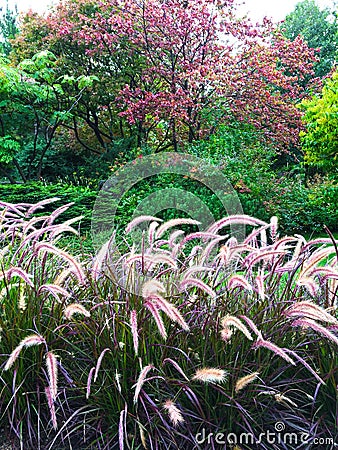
[[82, 196], [266, 187]]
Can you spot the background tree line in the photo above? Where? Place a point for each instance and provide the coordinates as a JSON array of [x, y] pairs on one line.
[[91, 85]]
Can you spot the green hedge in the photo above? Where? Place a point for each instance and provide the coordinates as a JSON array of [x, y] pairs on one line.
[[33, 192], [300, 207]]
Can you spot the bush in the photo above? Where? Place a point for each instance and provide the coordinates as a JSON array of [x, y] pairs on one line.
[[265, 188]]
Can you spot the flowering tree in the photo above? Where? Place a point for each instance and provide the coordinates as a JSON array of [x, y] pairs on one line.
[[170, 71]]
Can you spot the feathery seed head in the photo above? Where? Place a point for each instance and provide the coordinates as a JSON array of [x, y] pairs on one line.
[[75, 308], [244, 381], [210, 375], [234, 322], [174, 413]]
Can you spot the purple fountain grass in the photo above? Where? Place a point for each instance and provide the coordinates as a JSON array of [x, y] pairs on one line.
[[162, 258], [34, 236], [198, 235], [263, 237], [12, 233], [253, 235], [62, 228], [51, 407], [310, 285], [299, 248], [283, 241], [75, 308], [229, 253], [57, 212], [265, 256], [151, 287], [53, 230], [141, 380], [75, 265], [173, 223], [274, 348], [152, 260], [62, 276], [89, 381], [152, 232], [314, 242], [99, 361], [273, 228], [235, 220], [139, 220], [16, 271], [52, 370], [159, 244], [193, 253], [174, 235], [242, 382], [40, 205], [234, 322], [158, 319], [305, 364], [309, 323], [199, 284], [252, 326], [240, 281], [314, 259], [174, 413], [332, 286], [99, 260], [195, 269], [310, 310], [11, 207], [134, 329], [33, 339], [226, 334], [208, 248], [325, 272], [31, 222], [55, 290], [117, 379], [122, 426], [169, 309], [259, 281], [177, 367]]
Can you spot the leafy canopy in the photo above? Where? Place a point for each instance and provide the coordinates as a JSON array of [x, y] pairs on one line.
[[8, 28], [320, 141], [319, 28], [171, 72]]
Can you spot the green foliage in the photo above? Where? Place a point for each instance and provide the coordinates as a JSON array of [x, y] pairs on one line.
[[8, 149], [265, 187], [8, 28], [32, 111], [82, 196], [320, 140], [319, 28]]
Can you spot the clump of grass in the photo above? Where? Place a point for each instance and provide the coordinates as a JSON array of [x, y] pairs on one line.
[[195, 331]]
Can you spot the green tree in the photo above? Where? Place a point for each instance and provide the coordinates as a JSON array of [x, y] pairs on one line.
[[320, 141], [8, 28], [33, 106], [319, 28]]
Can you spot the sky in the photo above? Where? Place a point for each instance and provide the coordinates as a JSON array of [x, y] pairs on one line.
[[257, 9]]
